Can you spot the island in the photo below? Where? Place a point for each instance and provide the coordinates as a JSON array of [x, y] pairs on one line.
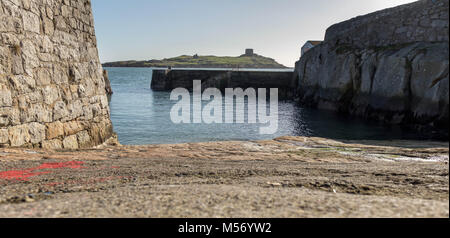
[[247, 60]]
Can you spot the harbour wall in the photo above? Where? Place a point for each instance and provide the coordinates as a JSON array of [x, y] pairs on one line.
[[167, 80]]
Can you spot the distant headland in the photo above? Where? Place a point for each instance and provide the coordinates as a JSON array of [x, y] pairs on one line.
[[247, 60]]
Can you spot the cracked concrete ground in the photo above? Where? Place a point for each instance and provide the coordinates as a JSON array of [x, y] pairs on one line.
[[285, 177]]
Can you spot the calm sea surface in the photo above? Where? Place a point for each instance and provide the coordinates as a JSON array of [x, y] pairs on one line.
[[141, 116]]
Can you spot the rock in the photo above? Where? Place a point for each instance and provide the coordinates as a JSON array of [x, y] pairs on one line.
[[107, 83], [101, 130], [60, 111], [55, 130], [5, 60], [49, 27], [431, 95], [36, 132], [84, 140], [72, 127], [16, 65], [60, 23], [377, 67], [19, 135], [5, 97], [4, 136], [36, 113], [43, 77], [50, 94], [70, 142], [390, 84], [75, 109], [52, 144], [9, 116], [22, 84], [274, 184], [29, 56], [31, 22], [336, 80]]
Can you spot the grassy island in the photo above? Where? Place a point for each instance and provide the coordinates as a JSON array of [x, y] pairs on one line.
[[186, 61]]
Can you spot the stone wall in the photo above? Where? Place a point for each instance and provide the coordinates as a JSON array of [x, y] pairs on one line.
[[364, 71], [52, 90], [421, 21], [222, 79]]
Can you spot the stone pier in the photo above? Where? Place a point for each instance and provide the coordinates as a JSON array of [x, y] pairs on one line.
[[166, 80]]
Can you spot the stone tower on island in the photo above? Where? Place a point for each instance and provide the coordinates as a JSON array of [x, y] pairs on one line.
[[249, 52], [52, 89]]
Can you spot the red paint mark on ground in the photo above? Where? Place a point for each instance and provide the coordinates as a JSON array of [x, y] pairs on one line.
[[20, 174], [70, 165], [25, 174]]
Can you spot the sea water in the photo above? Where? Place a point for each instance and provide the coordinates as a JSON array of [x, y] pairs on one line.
[[141, 116]]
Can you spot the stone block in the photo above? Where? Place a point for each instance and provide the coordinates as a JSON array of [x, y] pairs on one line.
[[70, 142], [55, 130], [5, 97], [52, 144], [72, 127], [36, 132], [31, 22], [4, 136], [84, 140], [19, 135]]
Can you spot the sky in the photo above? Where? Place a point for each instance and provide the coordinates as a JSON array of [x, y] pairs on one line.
[[157, 29]]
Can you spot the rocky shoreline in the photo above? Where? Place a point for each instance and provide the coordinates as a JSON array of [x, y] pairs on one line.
[[285, 177], [391, 66]]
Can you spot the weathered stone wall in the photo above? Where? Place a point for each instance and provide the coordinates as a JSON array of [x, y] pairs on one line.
[[391, 78], [421, 21], [52, 90]]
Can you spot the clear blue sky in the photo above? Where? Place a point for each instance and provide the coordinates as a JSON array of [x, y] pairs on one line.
[[156, 29]]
